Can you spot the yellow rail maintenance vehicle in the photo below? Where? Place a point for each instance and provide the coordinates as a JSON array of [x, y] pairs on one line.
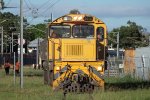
[[77, 49]]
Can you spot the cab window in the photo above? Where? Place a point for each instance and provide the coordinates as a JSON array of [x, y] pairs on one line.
[[83, 31], [100, 33], [60, 31]]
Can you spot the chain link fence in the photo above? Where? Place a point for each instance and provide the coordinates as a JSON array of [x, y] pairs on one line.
[[136, 66]]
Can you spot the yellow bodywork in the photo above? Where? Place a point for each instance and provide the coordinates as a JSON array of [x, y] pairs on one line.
[[75, 67], [79, 53], [73, 50]]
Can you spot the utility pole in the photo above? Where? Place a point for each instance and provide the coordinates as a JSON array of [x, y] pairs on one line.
[[118, 45], [37, 53], [21, 42], [117, 42], [51, 17], [149, 40]]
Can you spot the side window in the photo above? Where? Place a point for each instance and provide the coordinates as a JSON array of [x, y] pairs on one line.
[[100, 33]]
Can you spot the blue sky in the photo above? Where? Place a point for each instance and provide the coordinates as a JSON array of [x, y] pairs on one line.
[[113, 12]]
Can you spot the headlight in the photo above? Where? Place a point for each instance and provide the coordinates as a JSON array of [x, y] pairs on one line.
[[77, 18], [58, 68], [67, 18], [100, 68]]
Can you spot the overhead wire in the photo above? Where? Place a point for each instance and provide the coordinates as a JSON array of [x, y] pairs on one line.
[[27, 10], [8, 3], [30, 3], [51, 5], [39, 11], [31, 21], [27, 4], [48, 11], [44, 4], [47, 5], [32, 10]]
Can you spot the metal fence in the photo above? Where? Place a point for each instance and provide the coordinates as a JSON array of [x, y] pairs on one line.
[[142, 67], [138, 67], [29, 58], [115, 66]]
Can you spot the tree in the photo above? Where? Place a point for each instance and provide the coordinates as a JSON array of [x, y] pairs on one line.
[[131, 35], [10, 21], [74, 11], [11, 24], [35, 31]]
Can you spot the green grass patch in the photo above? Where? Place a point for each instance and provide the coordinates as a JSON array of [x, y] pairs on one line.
[[126, 82], [34, 89], [124, 79]]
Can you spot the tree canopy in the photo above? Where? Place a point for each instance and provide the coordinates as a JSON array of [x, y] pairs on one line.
[[35, 31], [11, 25], [9, 21], [130, 35]]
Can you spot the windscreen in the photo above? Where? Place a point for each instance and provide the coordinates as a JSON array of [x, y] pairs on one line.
[[60, 31], [83, 31]]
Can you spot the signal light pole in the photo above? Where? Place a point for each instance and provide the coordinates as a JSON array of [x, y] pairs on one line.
[[2, 37], [117, 42], [2, 40]]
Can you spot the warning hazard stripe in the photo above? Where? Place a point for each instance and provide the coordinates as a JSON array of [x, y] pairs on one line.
[[93, 70]]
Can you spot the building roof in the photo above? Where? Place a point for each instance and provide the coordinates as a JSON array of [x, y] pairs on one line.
[[34, 43]]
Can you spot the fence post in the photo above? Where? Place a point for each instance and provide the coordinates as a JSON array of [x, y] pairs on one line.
[[143, 66], [14, 68]]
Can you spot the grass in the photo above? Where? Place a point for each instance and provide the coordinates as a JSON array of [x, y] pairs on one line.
[[126, 82], [124, 79], [34, 89]]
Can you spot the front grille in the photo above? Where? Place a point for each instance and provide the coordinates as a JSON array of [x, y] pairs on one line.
[[74, 50]]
